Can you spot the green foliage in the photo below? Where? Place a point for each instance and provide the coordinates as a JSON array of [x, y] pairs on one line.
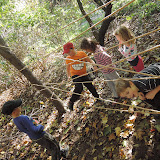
[[140, 8], [32, 29], [3, 2]]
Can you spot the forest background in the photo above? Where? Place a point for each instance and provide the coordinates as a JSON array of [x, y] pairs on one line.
[[35, 31]]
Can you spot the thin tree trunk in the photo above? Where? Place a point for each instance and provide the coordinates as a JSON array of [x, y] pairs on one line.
[[6, 53], [105, 23], [99, 35], [94, 29]]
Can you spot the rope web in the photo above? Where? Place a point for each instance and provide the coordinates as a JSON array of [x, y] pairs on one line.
[[101, 66], [58, 85]]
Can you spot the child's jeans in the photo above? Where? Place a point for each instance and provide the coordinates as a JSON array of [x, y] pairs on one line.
[[79, 87], [111, 84], [48, 142]]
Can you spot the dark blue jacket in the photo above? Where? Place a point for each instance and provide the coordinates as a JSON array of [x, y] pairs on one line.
[[26, 125]]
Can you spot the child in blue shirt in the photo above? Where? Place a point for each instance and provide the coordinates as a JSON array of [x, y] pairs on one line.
[[31, 128]]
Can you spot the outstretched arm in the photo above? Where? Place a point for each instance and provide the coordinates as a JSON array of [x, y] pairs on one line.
[[152, 93]]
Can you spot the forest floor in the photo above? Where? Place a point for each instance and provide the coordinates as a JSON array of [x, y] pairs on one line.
[[91, 131]]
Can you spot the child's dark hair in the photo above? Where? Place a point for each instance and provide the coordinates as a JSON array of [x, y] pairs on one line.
[[87, 43]]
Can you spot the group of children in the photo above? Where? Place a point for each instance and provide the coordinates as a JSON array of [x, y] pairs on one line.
[[76, 62], [146, 89]]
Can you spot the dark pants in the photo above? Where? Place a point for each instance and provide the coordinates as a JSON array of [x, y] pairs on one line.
[[48, 142], [79, 87]]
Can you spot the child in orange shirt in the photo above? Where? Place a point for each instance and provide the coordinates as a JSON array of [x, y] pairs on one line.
[[75, 69]]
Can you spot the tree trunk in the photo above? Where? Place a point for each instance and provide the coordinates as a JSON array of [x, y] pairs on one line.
[[105, 23], [6, 53], [104, 29], [99, 35], [94, 29]]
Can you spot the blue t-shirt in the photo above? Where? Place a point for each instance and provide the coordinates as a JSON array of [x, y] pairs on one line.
[[26, 125]]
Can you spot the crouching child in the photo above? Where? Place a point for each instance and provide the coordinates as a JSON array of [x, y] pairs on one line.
[[35, 132], [146, 89]]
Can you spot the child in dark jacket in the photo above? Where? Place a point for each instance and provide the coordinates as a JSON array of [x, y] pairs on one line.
[[31, 128]]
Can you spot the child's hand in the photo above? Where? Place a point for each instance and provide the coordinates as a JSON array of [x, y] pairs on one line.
[[69, 78], [141, 96], [35, 121], [150, 95], [120, 45], [95, 67]]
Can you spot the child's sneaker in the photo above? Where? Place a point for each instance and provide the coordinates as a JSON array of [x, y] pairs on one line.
[[70, 105]]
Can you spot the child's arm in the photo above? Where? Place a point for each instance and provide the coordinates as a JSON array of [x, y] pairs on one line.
[[28, 123], [68, 71], [152, 93], [91, 61], [120, 44], [120, 49]]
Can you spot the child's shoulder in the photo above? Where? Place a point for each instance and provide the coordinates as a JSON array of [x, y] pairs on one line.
[[20, 118], [81, 54], [23, 117]]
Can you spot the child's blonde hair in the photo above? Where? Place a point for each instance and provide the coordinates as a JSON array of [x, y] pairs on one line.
[[125, 33], [87, 43], [121, 85]]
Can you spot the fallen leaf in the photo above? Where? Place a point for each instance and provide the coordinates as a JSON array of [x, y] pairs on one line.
[[107, 149], [124, 134], [111, 137], [41, 102], [107, 130], [132, 118], [105, 120], [87, 130], [87, 103], [130, 109], [118, 131], [129, 126], [3, 152], [94, 125]]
